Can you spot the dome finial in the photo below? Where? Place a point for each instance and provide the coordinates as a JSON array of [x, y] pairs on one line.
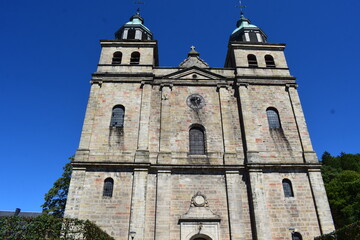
[[242, 7], [138, 9]]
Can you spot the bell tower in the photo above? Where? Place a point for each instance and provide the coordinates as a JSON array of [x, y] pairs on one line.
[[275, 137]]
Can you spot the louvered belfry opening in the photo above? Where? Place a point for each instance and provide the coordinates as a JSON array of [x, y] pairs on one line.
[[252, 60], [135, 58], [197, 140]]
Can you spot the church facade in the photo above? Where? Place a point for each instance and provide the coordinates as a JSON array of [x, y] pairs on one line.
[[193, 152]]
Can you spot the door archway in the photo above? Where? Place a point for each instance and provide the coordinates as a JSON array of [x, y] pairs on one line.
[[201, 237]]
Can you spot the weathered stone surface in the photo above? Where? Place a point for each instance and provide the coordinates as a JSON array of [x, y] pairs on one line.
[[155, 176]]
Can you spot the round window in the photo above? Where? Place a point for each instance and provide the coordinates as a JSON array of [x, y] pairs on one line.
[[195, 101]]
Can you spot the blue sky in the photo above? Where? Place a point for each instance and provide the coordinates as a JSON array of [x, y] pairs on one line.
[[50, 48]]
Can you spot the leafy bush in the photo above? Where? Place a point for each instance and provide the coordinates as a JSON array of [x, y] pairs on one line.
[[348, 232], [49, 227]]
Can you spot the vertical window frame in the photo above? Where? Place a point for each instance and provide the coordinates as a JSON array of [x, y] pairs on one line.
[[108, 188], [117, 116], [197, 140], [273, 118], [287, 188]]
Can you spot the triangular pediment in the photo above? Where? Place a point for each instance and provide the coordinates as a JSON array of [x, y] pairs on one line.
[[194, 73]]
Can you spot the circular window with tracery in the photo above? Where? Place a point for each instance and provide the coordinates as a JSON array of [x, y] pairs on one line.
[[195, 101]]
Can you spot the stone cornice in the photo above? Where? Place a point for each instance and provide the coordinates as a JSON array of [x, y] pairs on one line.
[[218, 168]]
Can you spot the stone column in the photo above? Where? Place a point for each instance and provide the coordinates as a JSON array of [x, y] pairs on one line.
[[321, 201], [138, 203], [235, 205], [261, 215], [165, 125], [228, 127], [163, 203], [142, 153], [76, 190], [309, 154]]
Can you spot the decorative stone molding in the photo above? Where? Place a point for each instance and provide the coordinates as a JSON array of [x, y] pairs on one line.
[[199, 221]]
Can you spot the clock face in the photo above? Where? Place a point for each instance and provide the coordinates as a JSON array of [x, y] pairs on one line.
[[195, 101]]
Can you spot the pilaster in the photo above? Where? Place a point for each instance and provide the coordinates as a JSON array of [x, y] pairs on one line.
[[76, 188], [321, 201], [308, 151], [228, 128], [143, 140], [138, 203], [261, 214], [165, 120], [89, 117], [235, 205], [163, 204]]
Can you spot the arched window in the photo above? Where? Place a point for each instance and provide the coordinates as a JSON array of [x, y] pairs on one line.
[[197, 140], [135, 58], [296, 236], [252, 60], [117, 117], [269, 60], [108, 187], [117, 56], [287, 186], [273, 118]]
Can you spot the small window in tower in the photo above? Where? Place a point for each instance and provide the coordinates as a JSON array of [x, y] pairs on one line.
[[287, 186], [197, 140], [131, 33], [252, 61], [144, 36], [296, 236], [135, 58], [253, 37], [273, 118], [269, 60], [117, 56], [117, 117], [108, 187]]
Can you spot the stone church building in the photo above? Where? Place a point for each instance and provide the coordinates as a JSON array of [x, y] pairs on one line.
[[193, 152]]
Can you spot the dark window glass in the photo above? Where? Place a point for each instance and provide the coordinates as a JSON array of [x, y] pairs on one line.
[[117, 117], [108, 187], [135, 58], [197, 141], [288, 191], [296, 236], [117, 56], [144, 36], [253, 37], [131, 34], [269, 60], [273, 118], [252, 60]]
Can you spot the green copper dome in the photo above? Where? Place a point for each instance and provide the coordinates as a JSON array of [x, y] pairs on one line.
[[134, 30], [247, 32]]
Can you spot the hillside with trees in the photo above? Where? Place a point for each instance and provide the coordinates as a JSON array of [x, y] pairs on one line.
[[341, 176]]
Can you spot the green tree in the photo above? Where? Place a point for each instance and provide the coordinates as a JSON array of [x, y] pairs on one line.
[[342, 182], [55, 198]]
